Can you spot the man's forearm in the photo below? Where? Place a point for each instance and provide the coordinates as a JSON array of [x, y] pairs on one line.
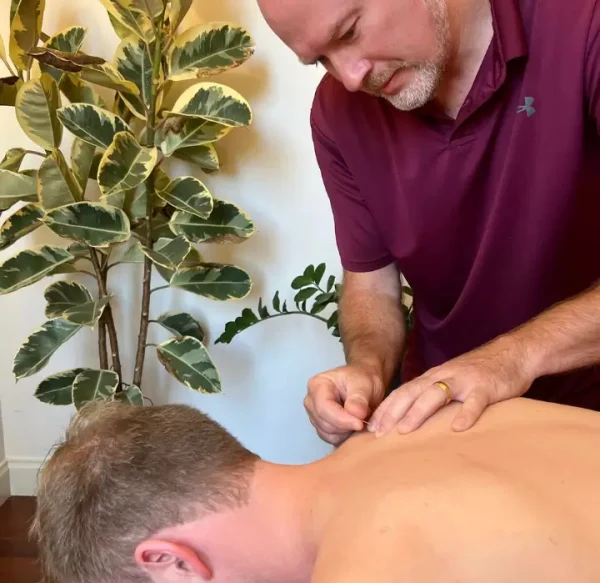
[[564, 338], [372, 328]]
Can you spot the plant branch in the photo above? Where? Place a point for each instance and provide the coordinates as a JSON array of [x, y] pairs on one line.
[[34, 153], [150, 136], [108, 317]]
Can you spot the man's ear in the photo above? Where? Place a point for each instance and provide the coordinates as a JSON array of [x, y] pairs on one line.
[[166, 561]]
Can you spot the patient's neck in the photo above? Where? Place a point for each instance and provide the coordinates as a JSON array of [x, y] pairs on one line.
[[273, 537]]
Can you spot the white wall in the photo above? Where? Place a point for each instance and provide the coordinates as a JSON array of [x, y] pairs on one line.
[[270, 171]]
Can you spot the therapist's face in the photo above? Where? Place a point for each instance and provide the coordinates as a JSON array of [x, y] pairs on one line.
[[395, 49]]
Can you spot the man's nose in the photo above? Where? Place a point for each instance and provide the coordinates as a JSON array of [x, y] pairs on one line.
[[351, 71]]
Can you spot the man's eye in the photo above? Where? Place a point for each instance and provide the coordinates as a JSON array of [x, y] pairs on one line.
[[349, 33]]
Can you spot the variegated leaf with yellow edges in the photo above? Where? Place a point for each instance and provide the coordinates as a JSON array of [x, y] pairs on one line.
[[205, 156], [92, 124], [16, 187], [25, 30], [171, 254], [138, 22], [94, 385], [39, 348], [214, 102], [95, 224], [209, 49], [152, 8], [68, 41], [188, 360], [13, 159], [132, 395], [78, 91], [82, 159], [22, 222], [29, 266], [179, 10], [132, 61], [214, 281], [182, 133], [226, 224], [125, 165], [36, 109], [3, 55], [57, 185], [190, 195]]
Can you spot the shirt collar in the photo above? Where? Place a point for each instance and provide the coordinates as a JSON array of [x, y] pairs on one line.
[[508, 29]]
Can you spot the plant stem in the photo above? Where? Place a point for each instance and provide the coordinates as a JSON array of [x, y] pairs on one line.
[[34, 153], [149, 142], [108, 317]]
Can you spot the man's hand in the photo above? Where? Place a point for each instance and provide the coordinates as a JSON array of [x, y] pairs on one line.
[[339, 401], [495, 372]]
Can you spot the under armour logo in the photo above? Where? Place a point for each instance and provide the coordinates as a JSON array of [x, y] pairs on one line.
[[528, 107]]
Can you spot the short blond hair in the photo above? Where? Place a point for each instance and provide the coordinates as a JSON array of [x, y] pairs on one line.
[[122, 474]]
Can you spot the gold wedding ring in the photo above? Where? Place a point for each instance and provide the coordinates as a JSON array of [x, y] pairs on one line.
[[442, 385]]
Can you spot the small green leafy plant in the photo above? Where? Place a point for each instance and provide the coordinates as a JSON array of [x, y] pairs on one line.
[[309, 290], [110, 198]]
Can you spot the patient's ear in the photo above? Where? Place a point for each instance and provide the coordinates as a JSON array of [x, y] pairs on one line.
[[168, 562]]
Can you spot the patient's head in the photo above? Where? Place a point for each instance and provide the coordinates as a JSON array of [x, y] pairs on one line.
[[122, 475]]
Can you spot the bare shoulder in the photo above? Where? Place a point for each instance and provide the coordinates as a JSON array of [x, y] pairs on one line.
[[377, 554]]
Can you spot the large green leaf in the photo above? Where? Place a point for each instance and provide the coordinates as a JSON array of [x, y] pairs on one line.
[[82, 159], [171, 254], [182, 324], [205, 156], [214, 102], [188, 360], [132, 395], [13, 9], [180, 132], [209, 49], [39, 348], [15, 187], [22, 222], [95, 224], [9, 88], [226, 223], [57, 185], [94, 385], [133, 62], [13, 159], [58, 388], [68, 41], [125, 14], [36, 106], [214, 281], [179, 9], [78, 91], [64, 295], [29, 266], [125, 165], [190, 195], [25, 30], [92, 124]]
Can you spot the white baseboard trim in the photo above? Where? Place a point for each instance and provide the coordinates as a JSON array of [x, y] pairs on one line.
[[24, 475], [4, 481]]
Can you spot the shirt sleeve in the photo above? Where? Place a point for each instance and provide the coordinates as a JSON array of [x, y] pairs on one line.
[[592, 67], [359, 242]]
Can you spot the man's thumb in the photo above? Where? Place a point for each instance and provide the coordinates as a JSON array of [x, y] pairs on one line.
[[357, 404]]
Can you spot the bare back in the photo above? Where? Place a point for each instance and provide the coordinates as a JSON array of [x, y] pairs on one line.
[[513, 499]]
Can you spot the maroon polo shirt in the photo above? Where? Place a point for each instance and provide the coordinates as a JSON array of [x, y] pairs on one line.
[[493, 217]]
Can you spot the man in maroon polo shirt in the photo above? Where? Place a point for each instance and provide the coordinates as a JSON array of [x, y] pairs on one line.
[[458, 144]]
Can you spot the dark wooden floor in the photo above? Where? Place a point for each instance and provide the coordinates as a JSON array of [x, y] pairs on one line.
[[17, 553]]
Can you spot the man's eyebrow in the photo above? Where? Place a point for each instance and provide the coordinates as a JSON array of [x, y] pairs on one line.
[[333, 33]]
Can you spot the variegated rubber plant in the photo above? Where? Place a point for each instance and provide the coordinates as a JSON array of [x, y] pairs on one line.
[[110, 197]]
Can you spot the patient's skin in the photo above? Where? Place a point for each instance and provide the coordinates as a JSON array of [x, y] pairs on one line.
[[515, 499]]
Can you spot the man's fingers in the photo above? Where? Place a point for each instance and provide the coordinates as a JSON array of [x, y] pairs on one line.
[[432, 399], [400, 401], [323, 402], [357, 405], [471, 411]]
